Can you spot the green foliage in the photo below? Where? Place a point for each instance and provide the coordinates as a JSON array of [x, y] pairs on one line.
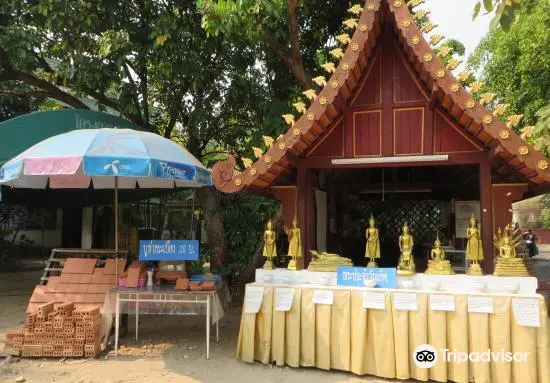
[[244, 219], [545, 211], [505, 12], [516, 66]]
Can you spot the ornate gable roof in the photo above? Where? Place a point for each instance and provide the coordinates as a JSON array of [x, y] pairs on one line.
[[327, 107]]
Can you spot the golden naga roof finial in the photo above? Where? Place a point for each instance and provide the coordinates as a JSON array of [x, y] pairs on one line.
[[428, 27], [453, 63], [320, 80], [337, 53], [513, 120], [415, 3], [289, 119], [258, 152], [464, 76], [356, 9], [310, 93], [487, 98], [476, 86], [421, 14], [300, 107], [268, 141], [247, 162], [444, 51], [329, 67], [500, 109], [344, 38], [350, 23], [436, 39]]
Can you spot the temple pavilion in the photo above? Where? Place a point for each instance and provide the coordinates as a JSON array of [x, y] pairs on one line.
[[394, 133]]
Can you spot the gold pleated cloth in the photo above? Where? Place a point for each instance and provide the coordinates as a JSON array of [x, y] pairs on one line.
[[345, 336]]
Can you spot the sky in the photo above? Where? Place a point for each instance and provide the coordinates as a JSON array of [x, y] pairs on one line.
[[455, 21]]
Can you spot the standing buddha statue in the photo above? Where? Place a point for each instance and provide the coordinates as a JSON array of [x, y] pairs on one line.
[[406, 264], [294, 244], [372, 250], [270, 247], [474, 248]]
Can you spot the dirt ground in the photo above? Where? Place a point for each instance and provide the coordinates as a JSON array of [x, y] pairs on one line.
[[170, 349]]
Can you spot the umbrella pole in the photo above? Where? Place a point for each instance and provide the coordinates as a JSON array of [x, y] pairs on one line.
[[116, 230]]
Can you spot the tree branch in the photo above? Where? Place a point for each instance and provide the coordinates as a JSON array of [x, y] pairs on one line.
[[293, 31], [36, 93], [126, 67]]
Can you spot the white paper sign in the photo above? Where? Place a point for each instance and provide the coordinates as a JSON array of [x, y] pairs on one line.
[[482, 305], [323, 297], [284, 296], [373, 300], [442, 302], [405, 301], [526, 312], [253, 300]]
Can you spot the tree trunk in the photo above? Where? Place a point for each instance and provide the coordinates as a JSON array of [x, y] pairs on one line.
[[213, 224], [257, 260]]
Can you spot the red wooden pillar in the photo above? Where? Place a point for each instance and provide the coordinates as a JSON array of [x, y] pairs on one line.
[[485, 195], [301, 211], [287, 195], [503, 197]]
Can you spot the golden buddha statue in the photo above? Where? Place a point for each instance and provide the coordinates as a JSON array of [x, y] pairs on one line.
[[508, 264], [294, 244], [474, 248], [324, 261], [372, 250], [270, 247], [437, 264], [406, 264]]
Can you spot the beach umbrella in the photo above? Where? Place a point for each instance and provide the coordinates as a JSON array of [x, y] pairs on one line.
[[103, 159]]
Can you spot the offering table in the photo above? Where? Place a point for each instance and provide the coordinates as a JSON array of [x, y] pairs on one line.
[[381, 342]]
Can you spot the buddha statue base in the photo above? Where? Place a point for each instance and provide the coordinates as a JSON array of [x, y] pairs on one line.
[[327, 262], [405, 271], [439, 267], [268, 265], [292, 265], [372, 264], [511, 267], [474, 269]]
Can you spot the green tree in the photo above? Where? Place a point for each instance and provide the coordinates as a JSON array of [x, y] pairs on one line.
[[516, 66], [504, 12]]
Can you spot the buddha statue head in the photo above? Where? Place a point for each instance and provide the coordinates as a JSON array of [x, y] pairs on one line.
[[473, 221], [371, 221], [437, 242], [405, 228], [269, 225], [295, 223]]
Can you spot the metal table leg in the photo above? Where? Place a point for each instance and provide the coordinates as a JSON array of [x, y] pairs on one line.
[[137, 315], [117, 322], [208, 327]]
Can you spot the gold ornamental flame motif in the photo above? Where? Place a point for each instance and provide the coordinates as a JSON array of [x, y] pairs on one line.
[[247, 162], [504, 134], [310, 93], [350, 23], [428, 57], [487, 119], [344, 38], [440, 73], [470, 104], [406, 23], [513, 120], [542, 164], [523, 150], [428, 27], [319, 80], [356, 9], [476, 86], [436, 39]]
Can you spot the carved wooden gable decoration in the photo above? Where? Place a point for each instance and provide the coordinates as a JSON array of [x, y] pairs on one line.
[[390, 95]]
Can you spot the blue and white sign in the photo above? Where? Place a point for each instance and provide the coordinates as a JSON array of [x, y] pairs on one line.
[[355, 276], [173, 171], [169, 250]]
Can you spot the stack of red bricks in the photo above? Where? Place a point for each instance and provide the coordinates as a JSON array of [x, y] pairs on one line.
[[57, 331]]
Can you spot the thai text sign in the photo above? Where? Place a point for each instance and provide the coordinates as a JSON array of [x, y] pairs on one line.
[[169, 250], [355, 276]]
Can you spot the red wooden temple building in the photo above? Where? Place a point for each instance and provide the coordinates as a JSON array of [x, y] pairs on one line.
[[393, 133]]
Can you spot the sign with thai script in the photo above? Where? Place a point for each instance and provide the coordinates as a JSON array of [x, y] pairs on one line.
[[169, 250], [356, 276]]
